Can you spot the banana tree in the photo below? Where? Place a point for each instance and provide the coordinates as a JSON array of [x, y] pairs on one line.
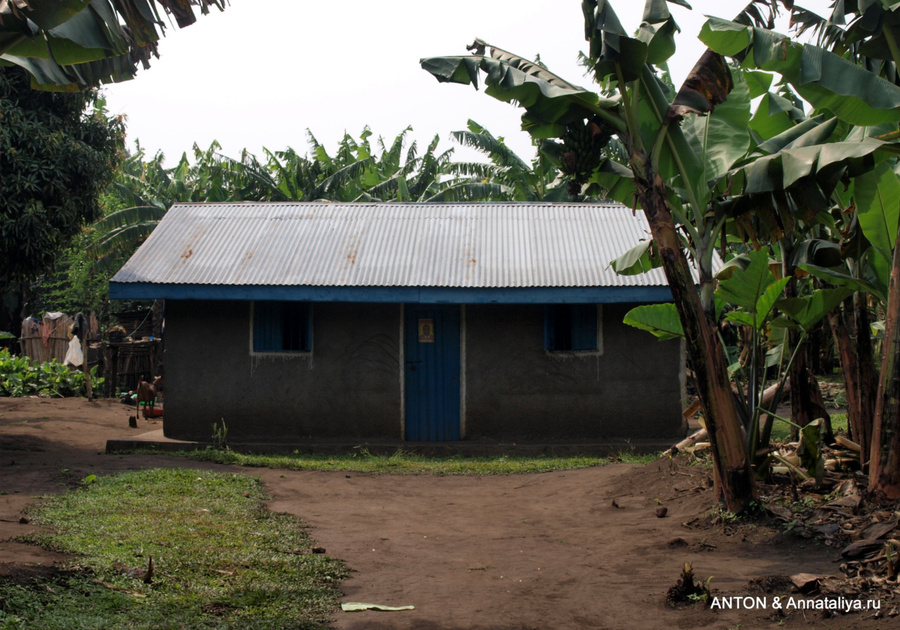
[[122, 231], [752, 298], [869, 200], [752, 294], [393, 173], [72, 45], [878, 199], [785, 194], [855, 94], [678, 146], [542, 179], [672, 178]]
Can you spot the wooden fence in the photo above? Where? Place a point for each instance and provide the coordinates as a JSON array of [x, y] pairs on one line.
[[47, 338]]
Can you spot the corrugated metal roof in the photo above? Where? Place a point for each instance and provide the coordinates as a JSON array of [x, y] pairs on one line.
[[480, 245]]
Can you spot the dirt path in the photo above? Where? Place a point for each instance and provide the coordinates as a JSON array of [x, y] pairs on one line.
[[536, 551]]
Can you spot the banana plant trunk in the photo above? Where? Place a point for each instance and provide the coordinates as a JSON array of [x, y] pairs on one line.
[[806, 397], [734, 479], [858, 368], [867, 375], [884, 470]]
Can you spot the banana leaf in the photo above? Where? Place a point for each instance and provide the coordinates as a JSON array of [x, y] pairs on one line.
[[807, 311], [842, 279], [127, 216], [639, 259], [825, 80], [753, 289], [660, 319], [878, 204], [783, 169], [549, 100], [70, 45], [721, 137], [612, 51], [774, 115]]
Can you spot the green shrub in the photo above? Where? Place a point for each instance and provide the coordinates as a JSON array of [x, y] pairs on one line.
[[20, 376]]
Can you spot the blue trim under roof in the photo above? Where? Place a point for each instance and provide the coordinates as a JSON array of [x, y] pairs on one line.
[[419, 295]]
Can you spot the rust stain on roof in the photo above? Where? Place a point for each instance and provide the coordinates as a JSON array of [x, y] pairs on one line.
[[352, 252]]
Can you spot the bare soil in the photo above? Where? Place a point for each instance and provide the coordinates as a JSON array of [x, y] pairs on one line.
[[576, 549]]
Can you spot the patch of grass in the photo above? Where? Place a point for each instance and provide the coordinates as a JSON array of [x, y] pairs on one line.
[[220, 558], [405, 463]]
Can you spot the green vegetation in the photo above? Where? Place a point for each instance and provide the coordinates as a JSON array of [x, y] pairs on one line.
[[781, 431], [802, 208], [57, 154], [73, 44], [405, 463], [220, 559], [20, 376], [360, 169]]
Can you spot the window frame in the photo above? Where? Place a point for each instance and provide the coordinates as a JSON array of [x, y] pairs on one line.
[[267, 308], [552, 312]]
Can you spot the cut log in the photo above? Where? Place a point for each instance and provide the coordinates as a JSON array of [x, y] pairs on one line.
[[769, 392], [692, 410], [847, 443], [688, 441]]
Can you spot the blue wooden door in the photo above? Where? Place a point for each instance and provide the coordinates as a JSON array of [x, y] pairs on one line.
[[431, 340]]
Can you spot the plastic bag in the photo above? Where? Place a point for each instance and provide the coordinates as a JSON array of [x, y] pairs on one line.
[[74, 355]]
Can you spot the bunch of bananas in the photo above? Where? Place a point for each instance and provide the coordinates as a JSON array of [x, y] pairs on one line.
[[583, 144]]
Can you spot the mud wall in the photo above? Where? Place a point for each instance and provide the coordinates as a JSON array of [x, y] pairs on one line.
[[630, 387], [348, 386]]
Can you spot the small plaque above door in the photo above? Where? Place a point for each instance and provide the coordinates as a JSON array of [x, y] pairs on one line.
[[426, 331]]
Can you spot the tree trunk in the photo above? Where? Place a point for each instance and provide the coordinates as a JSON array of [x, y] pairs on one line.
[[734, 478], [12, 300], [807, 405], [868, 382], [858, 370], [884, 472], [806, 397], [801, 401], [846, 350]]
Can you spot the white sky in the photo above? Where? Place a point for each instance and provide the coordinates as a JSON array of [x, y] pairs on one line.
[[263, 71]]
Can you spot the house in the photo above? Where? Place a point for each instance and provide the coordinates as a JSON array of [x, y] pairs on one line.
[[423, 322]]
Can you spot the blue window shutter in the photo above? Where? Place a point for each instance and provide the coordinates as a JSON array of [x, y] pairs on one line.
[[267, 326]]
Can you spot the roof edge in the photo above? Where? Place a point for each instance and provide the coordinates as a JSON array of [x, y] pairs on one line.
[[422, 295]]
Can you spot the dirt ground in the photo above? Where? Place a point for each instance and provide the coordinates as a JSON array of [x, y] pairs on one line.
[[577, 549]]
